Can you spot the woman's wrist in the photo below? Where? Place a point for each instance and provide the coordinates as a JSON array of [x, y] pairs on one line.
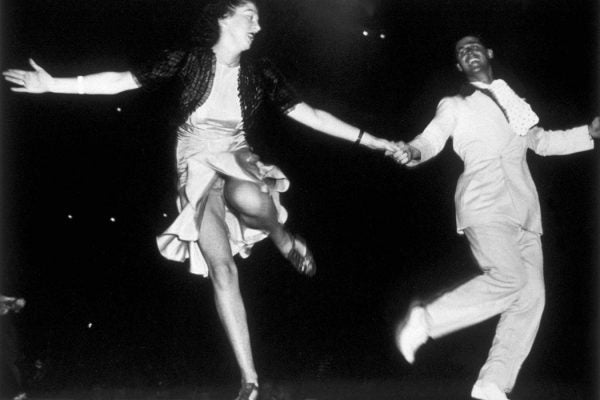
[[369, 141], [80, 85], [53, 86], [359, 137], [71, 85], [364, 138]]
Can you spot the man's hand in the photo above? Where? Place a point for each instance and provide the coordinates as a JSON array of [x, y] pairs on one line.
[[594, 128]]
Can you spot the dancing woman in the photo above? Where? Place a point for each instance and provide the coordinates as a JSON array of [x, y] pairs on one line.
[[228, 199]]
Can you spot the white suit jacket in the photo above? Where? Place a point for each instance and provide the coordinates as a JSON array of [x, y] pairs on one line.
[[496, 184]]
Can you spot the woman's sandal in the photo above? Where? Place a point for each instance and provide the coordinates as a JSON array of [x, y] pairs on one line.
[[305, 264], [248, 391]]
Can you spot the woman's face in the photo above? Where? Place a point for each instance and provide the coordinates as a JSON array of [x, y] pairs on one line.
[[241, 26]]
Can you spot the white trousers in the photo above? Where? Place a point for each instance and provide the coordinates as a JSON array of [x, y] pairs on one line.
[[512, 285]]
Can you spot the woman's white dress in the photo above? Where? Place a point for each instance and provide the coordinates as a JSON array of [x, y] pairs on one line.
[[207, 145]]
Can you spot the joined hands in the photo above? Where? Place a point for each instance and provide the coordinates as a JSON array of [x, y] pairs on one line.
[[403, 153]]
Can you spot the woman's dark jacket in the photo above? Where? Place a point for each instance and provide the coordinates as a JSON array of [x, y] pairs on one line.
[[194, 70]]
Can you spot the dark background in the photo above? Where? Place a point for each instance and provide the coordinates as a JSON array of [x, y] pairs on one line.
[[105, 309]]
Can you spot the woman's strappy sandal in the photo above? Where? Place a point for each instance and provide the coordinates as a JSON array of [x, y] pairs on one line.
[[305, 264], [249, 391]]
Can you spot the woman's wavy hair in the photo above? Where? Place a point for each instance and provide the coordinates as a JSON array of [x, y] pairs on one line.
[[205, 31]]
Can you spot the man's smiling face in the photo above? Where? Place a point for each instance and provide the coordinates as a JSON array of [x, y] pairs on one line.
[[472, 56]]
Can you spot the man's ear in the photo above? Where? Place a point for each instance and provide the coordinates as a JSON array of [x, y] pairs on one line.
[[458, 67]]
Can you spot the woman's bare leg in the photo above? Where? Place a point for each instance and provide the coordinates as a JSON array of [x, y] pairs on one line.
[[256, 210], [214, 243]]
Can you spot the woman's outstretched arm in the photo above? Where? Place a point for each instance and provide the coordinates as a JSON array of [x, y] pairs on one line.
[[323, 121], [40, 81]]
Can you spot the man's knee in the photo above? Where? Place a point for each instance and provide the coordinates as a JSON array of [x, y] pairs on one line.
[[509, 279], [533, 295]]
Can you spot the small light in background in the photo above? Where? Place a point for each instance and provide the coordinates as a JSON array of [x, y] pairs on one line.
[[165, 215], [69, 216], [382, 36], [119, 109], [89, 325], [112, 219], [365, 32]]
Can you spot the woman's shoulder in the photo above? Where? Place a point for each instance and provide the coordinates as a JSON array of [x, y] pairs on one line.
[[257, 64], [199, 52], [183, 51]]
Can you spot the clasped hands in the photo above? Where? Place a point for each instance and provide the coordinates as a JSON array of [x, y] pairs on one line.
[[401, 152]]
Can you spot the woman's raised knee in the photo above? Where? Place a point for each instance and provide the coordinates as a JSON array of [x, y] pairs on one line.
[[247, 198]]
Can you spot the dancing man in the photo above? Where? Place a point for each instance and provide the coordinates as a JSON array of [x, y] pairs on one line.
[[497, 209]]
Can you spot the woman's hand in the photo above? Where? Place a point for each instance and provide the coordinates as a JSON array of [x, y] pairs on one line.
[[36, 81]]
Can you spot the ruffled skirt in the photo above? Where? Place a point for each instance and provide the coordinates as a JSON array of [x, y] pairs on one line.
[[204, 161]]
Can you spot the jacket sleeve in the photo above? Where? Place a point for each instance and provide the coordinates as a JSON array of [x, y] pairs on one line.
[[433, 139], [279, 92], [152, 74], [559, 142]]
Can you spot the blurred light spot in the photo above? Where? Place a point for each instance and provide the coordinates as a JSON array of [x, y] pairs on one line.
[[90, 325], [70, 216], [382, 36], [118, 109], [165, 215], [112, 219], [365, 33]]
